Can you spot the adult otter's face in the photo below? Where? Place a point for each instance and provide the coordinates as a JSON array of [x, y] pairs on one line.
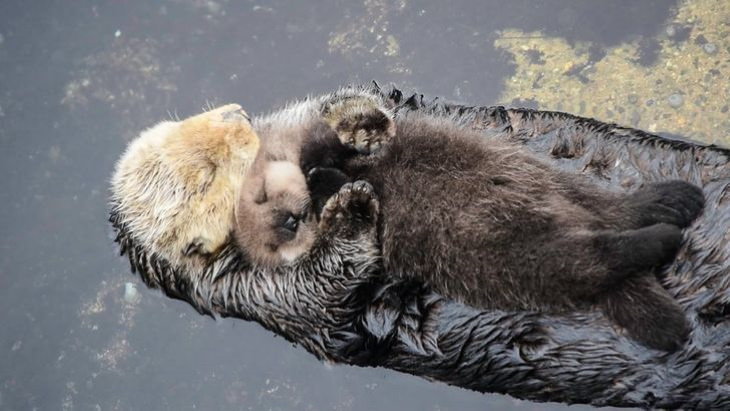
[[274, 222], [177, 184]]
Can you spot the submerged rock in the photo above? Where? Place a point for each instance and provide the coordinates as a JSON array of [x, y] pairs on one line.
[[675, 100]]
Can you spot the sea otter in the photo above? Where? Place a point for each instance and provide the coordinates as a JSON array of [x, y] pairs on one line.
[[176, 184], [572, 357], [490, 225]]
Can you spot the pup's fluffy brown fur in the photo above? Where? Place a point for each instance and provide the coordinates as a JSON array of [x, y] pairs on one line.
[[492, 226], [274, 220]]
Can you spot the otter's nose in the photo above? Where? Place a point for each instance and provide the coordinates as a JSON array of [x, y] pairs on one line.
[[235, 115]]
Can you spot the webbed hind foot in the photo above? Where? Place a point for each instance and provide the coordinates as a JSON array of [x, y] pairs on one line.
[[631, 251], [648, 313], [672, 202]]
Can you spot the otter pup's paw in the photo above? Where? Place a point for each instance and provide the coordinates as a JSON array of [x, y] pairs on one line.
[[631, 251], [199, 245], [352, 211], [360, 122], [672, 202], [323, 183]]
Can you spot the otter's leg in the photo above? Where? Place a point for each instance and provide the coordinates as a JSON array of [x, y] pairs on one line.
[[322, 158], [361, 122], [631, 251], [323, 183], [648, 312], [586, 265], [673, 202], [323, 148]]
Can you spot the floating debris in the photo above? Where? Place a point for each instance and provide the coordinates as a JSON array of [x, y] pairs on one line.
[[131, 295]]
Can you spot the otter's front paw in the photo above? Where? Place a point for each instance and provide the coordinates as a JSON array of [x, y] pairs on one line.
[[360, 123], [200, 246], [352, 211], [672, 202], [323, 183]]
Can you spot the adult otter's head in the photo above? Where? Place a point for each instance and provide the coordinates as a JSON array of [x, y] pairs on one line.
[[175, 187], [274, 222]]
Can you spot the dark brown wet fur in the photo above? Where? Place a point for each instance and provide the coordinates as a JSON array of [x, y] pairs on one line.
[[494, 227]]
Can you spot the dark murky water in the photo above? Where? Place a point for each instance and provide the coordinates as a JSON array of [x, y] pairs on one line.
[[79, 79]]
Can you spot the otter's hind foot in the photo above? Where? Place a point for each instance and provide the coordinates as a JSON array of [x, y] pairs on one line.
[[631, 251], [672, 202], [352, 211], [648, 313]]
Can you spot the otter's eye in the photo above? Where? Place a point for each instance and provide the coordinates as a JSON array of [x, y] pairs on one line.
[[286, 226], [291, 223]]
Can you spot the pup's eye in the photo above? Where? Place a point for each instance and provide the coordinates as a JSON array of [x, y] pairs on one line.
[[291, 223]]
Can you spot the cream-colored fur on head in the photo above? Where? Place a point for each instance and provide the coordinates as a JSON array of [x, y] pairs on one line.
[[177, 184]]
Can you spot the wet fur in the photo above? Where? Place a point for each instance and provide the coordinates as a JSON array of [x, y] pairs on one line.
[[570, 357], [494, 227]]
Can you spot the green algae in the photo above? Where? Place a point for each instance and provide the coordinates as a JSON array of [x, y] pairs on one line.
[[685, 90]]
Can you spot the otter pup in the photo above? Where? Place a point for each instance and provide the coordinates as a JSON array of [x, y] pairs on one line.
[[274, 220], [494, 227]]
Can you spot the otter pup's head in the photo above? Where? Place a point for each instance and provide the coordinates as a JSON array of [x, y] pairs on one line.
[[175, 187], [274, 222]]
